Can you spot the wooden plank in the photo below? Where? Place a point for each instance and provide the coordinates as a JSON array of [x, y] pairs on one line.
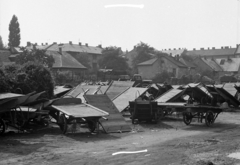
[[115, 122], [122, 101], [80, 110], [81, 89]]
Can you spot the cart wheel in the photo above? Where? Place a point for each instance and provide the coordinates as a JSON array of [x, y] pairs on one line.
[[187, 117], [92, 125], [62, 122], [2, 127], [209, 118]]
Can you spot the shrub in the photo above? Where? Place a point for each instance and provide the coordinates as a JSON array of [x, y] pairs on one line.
[[27, 78]]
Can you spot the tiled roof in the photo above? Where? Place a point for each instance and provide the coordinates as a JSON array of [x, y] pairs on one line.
[[70, 48], [187, 63], [149, 62], [213, 64], [178, 63], [65, 60], [75, 48], [230, 65], [212, 52], [174, 52]]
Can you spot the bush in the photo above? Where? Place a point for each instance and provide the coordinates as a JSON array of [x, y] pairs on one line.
[[27, 78], [162, 77]]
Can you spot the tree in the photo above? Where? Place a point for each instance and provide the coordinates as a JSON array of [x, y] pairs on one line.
[[14, 33], [143, 51], [1, 43], [37, 56], [112, 60]]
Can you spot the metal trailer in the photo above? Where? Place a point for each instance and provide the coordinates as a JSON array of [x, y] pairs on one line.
[[144, 111], [67, 111], [22, 112], [190, 111]]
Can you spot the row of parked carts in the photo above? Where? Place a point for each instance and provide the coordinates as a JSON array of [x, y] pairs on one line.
[[103, 108]]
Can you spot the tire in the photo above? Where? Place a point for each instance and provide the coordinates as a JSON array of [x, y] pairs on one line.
[[187, 118], [2, 127], [92, 125], [62, 122], [209, 118]]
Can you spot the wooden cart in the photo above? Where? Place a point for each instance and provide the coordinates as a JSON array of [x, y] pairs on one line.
[[67, 111]]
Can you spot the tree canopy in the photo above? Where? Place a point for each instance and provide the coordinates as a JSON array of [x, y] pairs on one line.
[[112, 60], [1, 43], [143, 50], [14, 32], [35, 55]]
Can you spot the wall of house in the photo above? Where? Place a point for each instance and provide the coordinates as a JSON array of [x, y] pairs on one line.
[[148, 71]]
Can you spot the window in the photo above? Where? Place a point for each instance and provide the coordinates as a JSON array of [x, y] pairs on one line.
[[222, 62], [174, 71]]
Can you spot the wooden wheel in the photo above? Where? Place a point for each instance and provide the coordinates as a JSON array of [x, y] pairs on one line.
[[209, 118], [2, 127], [62, 122], [92, 125], [187, 118]]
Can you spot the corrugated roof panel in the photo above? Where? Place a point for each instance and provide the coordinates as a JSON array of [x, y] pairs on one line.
[[212, 63]]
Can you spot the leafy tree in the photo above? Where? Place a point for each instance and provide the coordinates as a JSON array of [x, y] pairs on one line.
[[144, 51], [1, 43], [14, 32], [35, 55], [26, 78], [112, 60], [162, 77]]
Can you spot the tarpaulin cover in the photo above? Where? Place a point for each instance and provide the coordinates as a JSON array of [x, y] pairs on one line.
[[115, 122], [118, 87], [168, 96], [122, 101]]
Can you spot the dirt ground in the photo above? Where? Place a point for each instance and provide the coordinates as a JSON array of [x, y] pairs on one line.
[[170, 142]]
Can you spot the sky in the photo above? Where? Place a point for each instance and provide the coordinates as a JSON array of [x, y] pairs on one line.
[[162, 24]]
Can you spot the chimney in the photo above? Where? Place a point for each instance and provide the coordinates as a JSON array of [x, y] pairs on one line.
[[42, 44], [213, 48], [29, 44], [202, 48], [34, 47], [36, 44], [70, 42], [46, 43], [100, 46], [194, 48], [80, 44], [226, 47], [54, 42], [174, 48], [60, 50], [134, 47], [222, 47], [86, 44], [169, 49], [179, 48]]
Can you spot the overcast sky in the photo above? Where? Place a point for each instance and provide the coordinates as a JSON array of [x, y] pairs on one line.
[[162, 24]]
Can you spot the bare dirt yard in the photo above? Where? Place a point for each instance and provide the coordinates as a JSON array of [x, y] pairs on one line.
[[170, 142]]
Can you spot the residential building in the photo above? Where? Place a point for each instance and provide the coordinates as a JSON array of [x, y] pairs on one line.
[[93, 53], [163, 62]]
